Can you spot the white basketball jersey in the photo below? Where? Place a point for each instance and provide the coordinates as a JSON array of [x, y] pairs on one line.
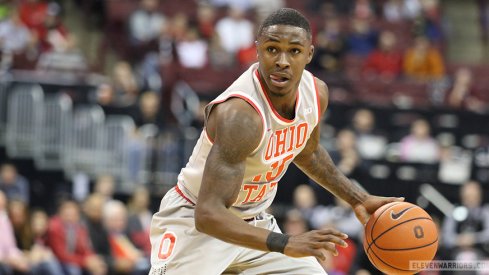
[[282, 140]]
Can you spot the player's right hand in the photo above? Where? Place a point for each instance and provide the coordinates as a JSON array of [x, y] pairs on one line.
[[313, 243]]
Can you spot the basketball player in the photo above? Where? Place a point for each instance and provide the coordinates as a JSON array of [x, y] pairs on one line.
[[213, 221]]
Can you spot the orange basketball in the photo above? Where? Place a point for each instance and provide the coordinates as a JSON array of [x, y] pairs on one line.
[[398, 233]]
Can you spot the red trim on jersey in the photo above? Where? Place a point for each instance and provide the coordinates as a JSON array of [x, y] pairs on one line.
[[270, 102], [245, 99], [182, 195], [207, 135], [317, 98]]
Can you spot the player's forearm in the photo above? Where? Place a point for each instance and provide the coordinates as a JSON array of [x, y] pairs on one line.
[[220, 223], [319, 167]]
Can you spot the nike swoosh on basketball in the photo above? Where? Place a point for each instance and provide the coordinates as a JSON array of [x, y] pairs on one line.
[[396, 216]]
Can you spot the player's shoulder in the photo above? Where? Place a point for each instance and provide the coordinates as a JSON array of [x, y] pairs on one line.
[[238, 108], [236, 117]]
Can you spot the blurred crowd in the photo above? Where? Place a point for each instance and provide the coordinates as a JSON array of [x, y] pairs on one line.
[[390, 51], [34, 30], [98, 234], [175, 56]]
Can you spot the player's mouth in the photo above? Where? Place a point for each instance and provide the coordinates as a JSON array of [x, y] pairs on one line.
[[279, 80]]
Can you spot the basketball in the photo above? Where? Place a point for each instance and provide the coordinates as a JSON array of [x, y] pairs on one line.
[[397, 234]]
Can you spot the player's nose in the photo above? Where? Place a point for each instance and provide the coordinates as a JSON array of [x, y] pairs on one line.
[[282, 61]]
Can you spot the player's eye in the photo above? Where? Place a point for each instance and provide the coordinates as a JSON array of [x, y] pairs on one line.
[[296, 51], [271, 50]]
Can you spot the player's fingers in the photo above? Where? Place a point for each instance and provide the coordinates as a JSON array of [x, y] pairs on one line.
[[332, 231], [393, 199], [333, 239]]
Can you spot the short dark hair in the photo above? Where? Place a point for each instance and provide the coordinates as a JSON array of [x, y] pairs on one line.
[[286, 16]]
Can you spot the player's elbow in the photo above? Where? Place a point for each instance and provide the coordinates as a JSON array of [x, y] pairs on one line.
[[203, 219]]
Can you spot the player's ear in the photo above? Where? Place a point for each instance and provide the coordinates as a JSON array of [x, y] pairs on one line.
[[310, 54]]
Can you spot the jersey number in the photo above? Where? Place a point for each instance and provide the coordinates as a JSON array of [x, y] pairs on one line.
[[166, 245]]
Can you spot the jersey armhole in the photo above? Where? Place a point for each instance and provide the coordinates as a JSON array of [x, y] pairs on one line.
[[249, 101], [318, 99]]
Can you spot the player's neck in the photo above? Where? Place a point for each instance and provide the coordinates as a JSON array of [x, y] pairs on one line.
[[284, 104]]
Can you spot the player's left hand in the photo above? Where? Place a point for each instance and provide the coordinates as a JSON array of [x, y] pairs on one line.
[[367, 207]]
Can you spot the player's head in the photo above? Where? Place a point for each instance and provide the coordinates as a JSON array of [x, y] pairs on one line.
[[288, 17], [284, 49]]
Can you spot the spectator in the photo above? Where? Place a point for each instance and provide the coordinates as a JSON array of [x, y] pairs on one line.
[[364, 9], [11, 258], [146, 23], [12, 184], [41, 257], [235, 31], [178, 26], [149, 111], [99, 237], [304, 200], [105, 185], [385, 61], [105, 97], [363, 38], [15, 37], [115, 221], [155, 48], [126, 84], [52, 34], [68, 238], [330, 47], [401, 10], [419, 146], [218, 56], [92, 209], [346, 156], [428, 23], [33, 13], [469, 234], [369, 139], [58, 47], [18, 213], [363, 122], [192, 50], [139, 222], [423, 62], [460, 95], [206, 20]]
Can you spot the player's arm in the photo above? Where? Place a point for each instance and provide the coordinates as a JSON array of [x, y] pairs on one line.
[[236, 129], [316, 163]]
